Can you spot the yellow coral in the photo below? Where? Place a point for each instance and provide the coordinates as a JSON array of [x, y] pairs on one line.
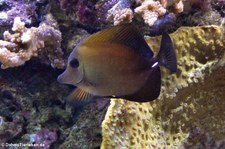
[[194, 97]]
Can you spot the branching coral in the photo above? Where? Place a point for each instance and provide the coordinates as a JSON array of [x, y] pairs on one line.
[[25, 43], [191, 101], [151, 10], [116, 11], [177, 5], [123, 16], [120, 12]]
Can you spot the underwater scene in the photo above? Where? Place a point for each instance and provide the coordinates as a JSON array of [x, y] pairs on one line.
[[112, 74]]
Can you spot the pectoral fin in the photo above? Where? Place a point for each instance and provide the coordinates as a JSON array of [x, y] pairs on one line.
[[79, 95]]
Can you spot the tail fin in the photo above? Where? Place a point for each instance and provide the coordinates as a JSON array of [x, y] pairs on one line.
[[167, 56]]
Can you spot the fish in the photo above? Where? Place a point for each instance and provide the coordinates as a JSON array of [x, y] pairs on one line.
[[118, 63]]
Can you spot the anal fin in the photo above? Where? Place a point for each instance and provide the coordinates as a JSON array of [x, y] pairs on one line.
[[79, 95], [150, 90]]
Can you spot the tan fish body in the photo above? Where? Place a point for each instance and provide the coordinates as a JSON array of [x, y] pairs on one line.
[[115, 62]]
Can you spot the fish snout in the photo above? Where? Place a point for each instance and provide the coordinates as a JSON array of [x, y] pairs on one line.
[[69, 77], [59, 79], [63, 78]]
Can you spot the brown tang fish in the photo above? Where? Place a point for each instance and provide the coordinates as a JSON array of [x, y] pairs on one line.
[[117, 62]]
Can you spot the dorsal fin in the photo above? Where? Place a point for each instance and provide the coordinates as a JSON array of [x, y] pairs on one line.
[[79, 95], [125, 34]]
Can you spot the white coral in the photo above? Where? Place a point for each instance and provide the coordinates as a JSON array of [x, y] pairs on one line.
[[25, 43], [150, 11], [119, 14], [125, 15]]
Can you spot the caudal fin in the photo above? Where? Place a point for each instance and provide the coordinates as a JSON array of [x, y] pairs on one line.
[[167, 56]]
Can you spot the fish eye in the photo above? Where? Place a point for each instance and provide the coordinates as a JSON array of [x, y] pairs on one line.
[[74, 63]]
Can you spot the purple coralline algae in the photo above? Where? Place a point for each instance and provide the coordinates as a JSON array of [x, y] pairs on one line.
[[9, 9], [82, 11], [44, 138]]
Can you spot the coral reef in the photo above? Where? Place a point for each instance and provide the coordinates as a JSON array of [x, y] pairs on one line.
[[10, 128], [189, 112], [120, 12], [9, 9], [25, 43], [160, 15], [202, 12], [177, 6], [203, 5], [151, 10], [33, 110], [219, 5], [26, 98], [86, 133], [82, 11], [122, 16], [45, 137], [206, 18]]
